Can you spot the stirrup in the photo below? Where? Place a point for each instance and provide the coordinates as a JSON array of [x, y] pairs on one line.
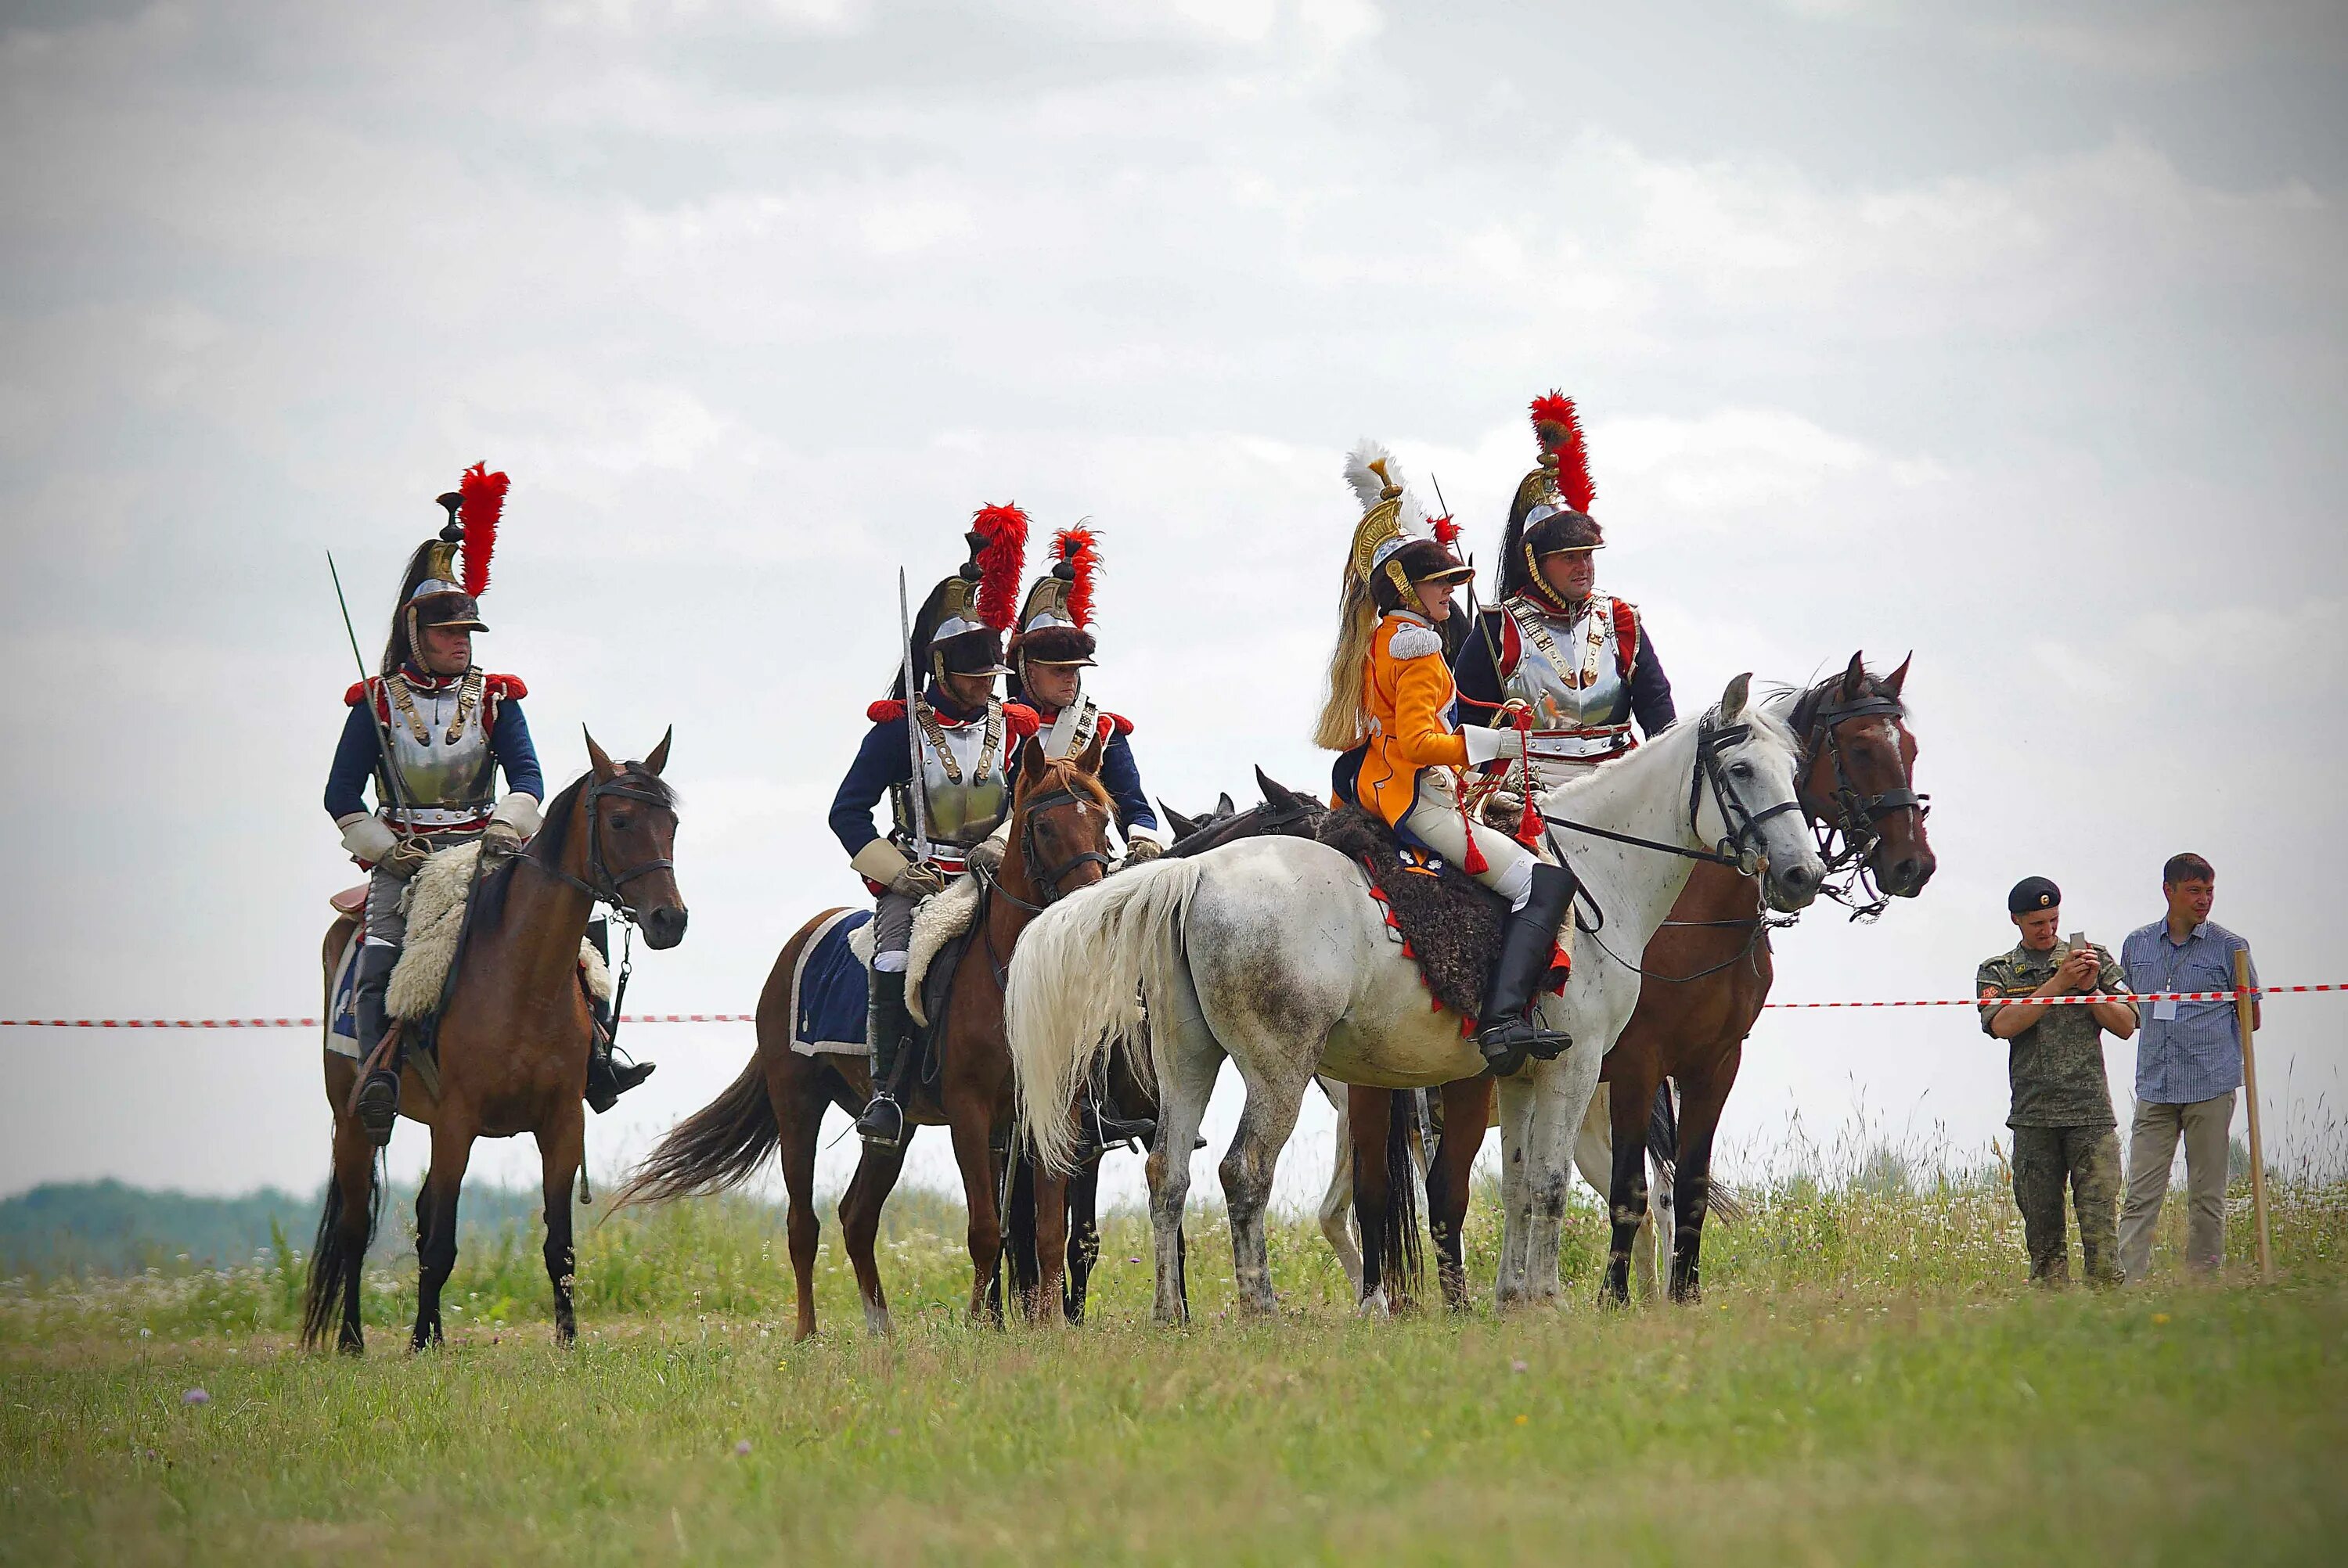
[[379, 1105], [883, 1120], [1108, 1131]]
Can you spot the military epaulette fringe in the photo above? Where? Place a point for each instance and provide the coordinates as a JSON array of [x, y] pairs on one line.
[[1118, 723], [1021, 720], [887, 710], [1413, 642]]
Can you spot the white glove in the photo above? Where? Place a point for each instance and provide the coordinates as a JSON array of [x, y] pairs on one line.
[[519, 811], [1494, 745], [368, 837], [919, 880], [1141, 848]]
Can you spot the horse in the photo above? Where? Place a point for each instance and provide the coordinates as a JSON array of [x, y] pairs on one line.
[[1271, 952], [514, 1038], [1060, 817]]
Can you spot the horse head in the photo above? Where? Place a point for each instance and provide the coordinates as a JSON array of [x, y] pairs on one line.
[[632, 841], [1861, 781], [1750, 809], [1061, 818]]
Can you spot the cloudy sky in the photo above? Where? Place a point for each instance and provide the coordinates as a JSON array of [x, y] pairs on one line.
[[2009, 335]]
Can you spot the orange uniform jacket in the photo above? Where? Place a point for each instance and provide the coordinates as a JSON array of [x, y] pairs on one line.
[[1411, 700]]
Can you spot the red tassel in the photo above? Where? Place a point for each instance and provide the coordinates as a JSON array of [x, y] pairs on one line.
[[1446, 532], [1473, 862], [1021, 720], [1081, 550], [1004, 530], [484, 501], [887, 710], [1559, 429]]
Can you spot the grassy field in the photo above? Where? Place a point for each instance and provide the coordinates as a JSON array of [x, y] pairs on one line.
[[1868, 1380]]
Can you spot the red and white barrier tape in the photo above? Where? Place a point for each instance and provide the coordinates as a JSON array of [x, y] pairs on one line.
[[2255, 993]]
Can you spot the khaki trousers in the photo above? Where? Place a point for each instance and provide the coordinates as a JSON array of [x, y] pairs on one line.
[[2152, 1147]]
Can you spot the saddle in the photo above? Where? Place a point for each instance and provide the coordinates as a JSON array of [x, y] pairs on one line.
[[1449, 923]]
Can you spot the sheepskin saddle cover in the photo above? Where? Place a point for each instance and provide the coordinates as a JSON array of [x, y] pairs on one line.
[[1446, 921], [434, 902], [937, 920]]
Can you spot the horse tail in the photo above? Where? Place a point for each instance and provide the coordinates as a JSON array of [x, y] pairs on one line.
[[331, 1258], [1398, 1259], [718, 1146], [1664, 1131], [1087, 971]]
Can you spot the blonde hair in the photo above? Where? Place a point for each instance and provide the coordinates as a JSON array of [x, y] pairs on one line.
[[1346, 712]]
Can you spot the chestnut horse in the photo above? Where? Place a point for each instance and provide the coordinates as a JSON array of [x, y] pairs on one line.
[[1060, 817], [513, 1037], [1706, 976]]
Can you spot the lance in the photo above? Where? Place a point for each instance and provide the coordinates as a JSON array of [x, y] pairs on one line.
[[912, 727], [386, 775], [1471, 560]]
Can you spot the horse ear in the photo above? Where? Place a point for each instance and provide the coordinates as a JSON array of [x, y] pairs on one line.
[[1093, 753], [1898, 678], [602, 765], [1732, 700], [659, 759], [1223, 806], [1182, 826], [1854, 679], [1275, 794], [1031, 762]]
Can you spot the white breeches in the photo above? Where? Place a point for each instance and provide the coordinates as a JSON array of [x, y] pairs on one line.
[[1436, 821]]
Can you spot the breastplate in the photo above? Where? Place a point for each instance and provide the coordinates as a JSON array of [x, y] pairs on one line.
[[1569, 672], [1068, 735], [440, 748], [964, 785]]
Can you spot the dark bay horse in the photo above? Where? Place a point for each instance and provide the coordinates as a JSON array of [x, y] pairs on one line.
[[514, 1038], [1059, 842]]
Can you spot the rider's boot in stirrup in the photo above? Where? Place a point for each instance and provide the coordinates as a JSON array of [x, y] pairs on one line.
[[888, 1024], [1505, 1033], [608, 1079], [1104, 1127], [378, 1101]]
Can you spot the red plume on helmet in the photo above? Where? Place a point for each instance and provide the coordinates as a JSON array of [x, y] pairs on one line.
[[484, 499], [1004, 530], [1559, 429], [1078, 547]]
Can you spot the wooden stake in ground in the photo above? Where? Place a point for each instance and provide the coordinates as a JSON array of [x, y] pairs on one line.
[[2242, 1012]]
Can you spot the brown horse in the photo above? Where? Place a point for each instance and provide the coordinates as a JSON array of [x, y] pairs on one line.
[[1707, 973], [1060, 817], [513, 1037]]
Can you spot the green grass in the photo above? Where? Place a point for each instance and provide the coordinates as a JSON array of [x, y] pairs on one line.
[[1868, 1380]]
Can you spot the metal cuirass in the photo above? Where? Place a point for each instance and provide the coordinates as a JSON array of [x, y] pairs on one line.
[[964, 784], [1570, 673], [440, 748]]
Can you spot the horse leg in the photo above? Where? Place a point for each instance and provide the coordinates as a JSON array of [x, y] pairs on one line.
[[1051, 1190], [1516, 1209], [1701, 1104], [1186, 1080], [1630, 1099], [1084, 1236], [1369, 1117], [561, 1148], [1337, 1203], [1466, 1109], [346, 1230], [1655, 1236], [1561, 1090], [1266, 1120], [799, 1105], [860, 1225], [1594, 1156], [970, 1125], [436, 1226]]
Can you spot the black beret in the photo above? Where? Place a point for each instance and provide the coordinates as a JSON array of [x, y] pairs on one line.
[[2033, 893]]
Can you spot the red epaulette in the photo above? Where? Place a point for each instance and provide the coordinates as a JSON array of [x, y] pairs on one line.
[[887, 710], [1626, 636], [359, 689], [1021, 720], [502, 686], [1118, 723]]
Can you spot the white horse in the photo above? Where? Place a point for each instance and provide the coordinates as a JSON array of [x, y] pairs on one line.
[[1271, 952]]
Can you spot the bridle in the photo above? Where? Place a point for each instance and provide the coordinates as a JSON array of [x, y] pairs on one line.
[[1856, 817], [601, 883], [1741, 847], [1048, 879]]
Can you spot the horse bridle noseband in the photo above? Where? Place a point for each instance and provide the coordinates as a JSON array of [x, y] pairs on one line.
[[601, 883], [1047, 881], [1741, 848], [1856, 816]]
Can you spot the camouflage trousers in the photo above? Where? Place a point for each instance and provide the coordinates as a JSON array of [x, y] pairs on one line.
[[2088, 1160]]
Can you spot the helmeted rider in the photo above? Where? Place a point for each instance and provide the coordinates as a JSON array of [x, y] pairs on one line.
[[967, 739], [1050, 651], [1393, 712], [452, 727], [1580, 660]]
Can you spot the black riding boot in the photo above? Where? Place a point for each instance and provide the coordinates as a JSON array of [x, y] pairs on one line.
[[1505, 1033], [607, 1078], [378, 1101], [887, 1025], [1103, 1127]]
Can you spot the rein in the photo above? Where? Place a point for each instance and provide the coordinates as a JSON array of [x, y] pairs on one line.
[[1855, 816], [1742, 847], [1049, 880], [602, 884]]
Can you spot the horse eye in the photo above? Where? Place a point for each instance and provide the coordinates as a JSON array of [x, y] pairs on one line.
[[619, 822], [1742, 770]]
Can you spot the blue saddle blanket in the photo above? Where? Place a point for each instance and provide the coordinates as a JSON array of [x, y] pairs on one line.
[[830, 993]]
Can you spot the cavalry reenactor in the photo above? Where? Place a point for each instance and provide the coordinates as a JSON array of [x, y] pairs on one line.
[[433, 731], [1050, 651], [945, 755], [1393, 712], [1579, 659]]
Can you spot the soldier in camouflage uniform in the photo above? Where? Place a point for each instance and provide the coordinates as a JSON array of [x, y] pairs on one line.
[[2062, 1118]]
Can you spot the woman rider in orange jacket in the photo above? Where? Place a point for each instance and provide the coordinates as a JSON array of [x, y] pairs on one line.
[[1392, 711]]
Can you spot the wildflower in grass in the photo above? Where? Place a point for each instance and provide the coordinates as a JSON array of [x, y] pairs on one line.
[[741, 1447], [195, 1397]]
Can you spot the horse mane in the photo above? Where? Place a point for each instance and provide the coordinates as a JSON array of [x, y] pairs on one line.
[[1061, 772], [1803, 704], [554, 840], [1758, 713]]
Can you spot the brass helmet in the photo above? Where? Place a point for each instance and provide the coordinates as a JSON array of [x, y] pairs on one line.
[[439, 588], [960, 626], [1550, 513], [1056, 622]]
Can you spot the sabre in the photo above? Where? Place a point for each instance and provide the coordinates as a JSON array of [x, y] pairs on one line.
[[912, 726], [385, 774]]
